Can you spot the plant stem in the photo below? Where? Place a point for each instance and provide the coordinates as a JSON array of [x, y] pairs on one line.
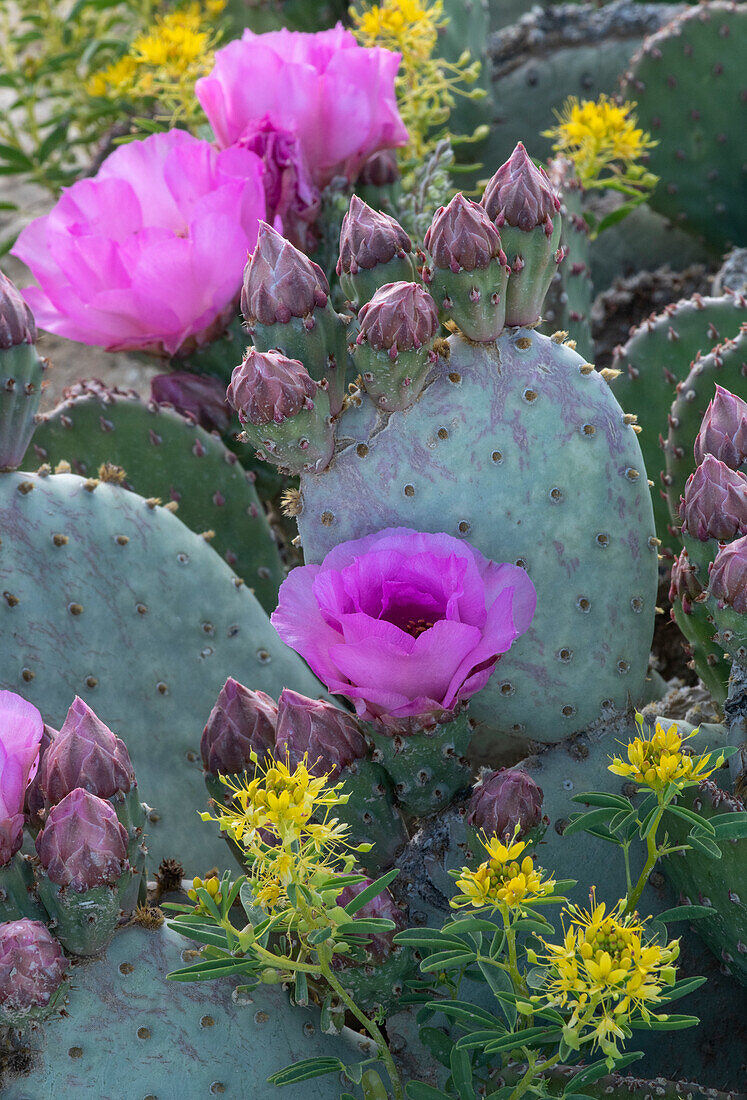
[[651, 858]]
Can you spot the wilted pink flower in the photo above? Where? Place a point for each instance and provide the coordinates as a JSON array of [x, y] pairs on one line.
[[336, 97], [21, 728], [149, 253], [405, 624], [32, 969], [290, 193], [16, 320]]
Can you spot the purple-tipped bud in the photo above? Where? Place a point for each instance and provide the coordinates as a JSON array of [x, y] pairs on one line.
[[32, 969], [331, 738], [199, 397], [369, 238], [280, 282], [723, 432], [382, 907], [714, 505], [85, 754], [504, 799], [520, 194], [242, 722], [462, 237], [380, 170], [34, 801], [17, 325], [684, 584], [728, 577], [399, 317], [268, 388], [83, 844]]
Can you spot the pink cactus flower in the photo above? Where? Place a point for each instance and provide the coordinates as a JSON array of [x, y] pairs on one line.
[[334, 96], [21, 729], [149, 253], [404, 624]]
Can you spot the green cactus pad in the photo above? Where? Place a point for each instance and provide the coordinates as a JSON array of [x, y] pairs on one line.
[[18, 897], [657, 356], [379, 984], [371, 814], [21, 372], [688, 82], [128, 1033], [109, 598], [721, 883], [725, 366], [84, 923], [165, 455], [569, 299], [520, 448]]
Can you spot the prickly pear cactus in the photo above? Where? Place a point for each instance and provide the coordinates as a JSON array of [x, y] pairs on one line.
[[519, 447], [571, 293], [657, 356], [125, 1023], [111, 598], [166, 456], [688, 82]]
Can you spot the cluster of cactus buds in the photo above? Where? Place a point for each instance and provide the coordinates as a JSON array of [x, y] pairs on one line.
[[374, 250]]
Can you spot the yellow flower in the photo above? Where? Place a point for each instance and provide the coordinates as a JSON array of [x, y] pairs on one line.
[[596, 134], [605, 973], [212, 885], [503, 880], [657, 761], [116, 78]]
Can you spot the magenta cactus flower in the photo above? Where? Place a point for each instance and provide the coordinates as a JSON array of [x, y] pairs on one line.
[[714, 504], [83, 844], [400, 316], [330, 738], [269, 388], [291, 197], [504, 799], [462, 237], [197, 396], [32, 971], [21, 729], [335, 97], [723, 432], [280, 282], [369, 237], [17, 325], [520, 194], [242, 722], [728, 576], [85, 753], [148, 254], [404, 624]]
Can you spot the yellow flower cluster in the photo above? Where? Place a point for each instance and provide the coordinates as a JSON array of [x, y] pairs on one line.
[[164, 62], [657, 761], [598, 134], [426, 86], [212, 885], [505, 879], [606, 973], [281, 819]]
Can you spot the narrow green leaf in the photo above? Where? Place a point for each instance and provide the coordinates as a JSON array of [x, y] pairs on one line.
[[439, 1045], [530, 1036], [581, 823], [478, 1039], [447, 960], [212, 968], [301, 991], [371, 892], [428, 938], [461, 1074], [689, 815], [686, 912], [467, 1012], [672, 1023], [704, 844], [603, 798], [681, 989], [305, 1070], [730, 826], [319, 936], [600, 1069]]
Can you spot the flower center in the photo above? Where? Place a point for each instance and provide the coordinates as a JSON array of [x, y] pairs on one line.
[[416, 627]]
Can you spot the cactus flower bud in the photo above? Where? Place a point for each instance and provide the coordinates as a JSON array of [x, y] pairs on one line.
[[328, 736], [286, 413], [521, 201], [468, 272], [280, 282], [723, 432], [380, 170], [714, 505], [34, 802], [394, 348], [520, 194], [374, 251], [32, 971], [199, 397], [728, 577], [684, 584], [504, 799], [17, 325], [83, 843], [242, 722], [88, 755]]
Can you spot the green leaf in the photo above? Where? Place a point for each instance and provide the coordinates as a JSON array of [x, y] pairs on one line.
[[461, 1074], [600, 1069], [704, 844], [689, 815], [730, 826], [305, 1070], [536, 925], [467, 1013], [478, 1039], [672, 1023], [647, 823], [469, 926], [212, 968], [624, 819], [447, 960], [686, 912], [439, 1045], [416, 1090], [681, 989], [319, 936], [371, 892], [529, 1037], [617, 215], [208, 933], [429, 938], [15, 158], [365, 925], [301, 992], [502, 990], [603, 798], [581, 823]]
